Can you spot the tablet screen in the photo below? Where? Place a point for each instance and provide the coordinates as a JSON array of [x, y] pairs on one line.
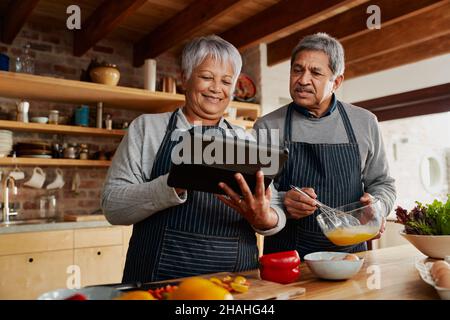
[[201, 160]]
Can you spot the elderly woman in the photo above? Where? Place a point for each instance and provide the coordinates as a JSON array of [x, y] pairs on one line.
[[179, 233]]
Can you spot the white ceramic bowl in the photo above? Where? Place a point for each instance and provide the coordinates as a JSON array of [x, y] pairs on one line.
[[92, 293], [39, 119], [321, 265], [432, 246]]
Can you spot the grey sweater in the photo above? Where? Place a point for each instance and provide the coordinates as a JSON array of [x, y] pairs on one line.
[[330, 129], [129, 196]]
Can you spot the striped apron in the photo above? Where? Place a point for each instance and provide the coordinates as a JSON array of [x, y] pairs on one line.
[[202, 235], [333, 171]]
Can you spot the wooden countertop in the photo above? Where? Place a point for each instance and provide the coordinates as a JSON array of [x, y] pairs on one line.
[[43, 227], [399, 278]]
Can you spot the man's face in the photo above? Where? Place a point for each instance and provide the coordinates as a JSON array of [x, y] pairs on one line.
[[311, 82]]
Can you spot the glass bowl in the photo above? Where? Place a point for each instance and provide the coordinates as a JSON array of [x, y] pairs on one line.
[[353, 223]]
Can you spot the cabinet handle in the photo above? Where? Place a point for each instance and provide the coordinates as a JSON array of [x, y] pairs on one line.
[[99, 253], [30, 260]]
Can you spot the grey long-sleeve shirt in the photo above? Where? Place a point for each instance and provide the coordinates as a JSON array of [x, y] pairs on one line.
[[129, 196], [330, 129]]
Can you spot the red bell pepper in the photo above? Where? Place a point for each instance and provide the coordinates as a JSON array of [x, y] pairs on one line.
[[280, 267], [76, 296]]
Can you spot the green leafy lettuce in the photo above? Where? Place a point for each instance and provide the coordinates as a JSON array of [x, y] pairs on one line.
[[429, 219]]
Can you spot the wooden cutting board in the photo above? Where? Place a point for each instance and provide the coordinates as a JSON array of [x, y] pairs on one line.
[[262, 289], [84, 217]]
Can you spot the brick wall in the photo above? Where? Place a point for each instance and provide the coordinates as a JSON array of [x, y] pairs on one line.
[[251, 65], [52, 50]]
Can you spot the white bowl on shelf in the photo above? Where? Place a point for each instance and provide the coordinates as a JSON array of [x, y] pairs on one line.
[[39, 119]]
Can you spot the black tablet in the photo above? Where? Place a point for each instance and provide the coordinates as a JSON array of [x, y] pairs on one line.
[[201, 161]]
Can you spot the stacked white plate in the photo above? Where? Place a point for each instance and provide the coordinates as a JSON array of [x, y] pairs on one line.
[[6, 142]]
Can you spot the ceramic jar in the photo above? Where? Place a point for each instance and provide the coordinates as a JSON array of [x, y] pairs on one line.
[[107, 74]]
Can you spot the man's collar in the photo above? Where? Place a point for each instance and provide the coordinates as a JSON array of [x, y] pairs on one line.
[[309, 114]]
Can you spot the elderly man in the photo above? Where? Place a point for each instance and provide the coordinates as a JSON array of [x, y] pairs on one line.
[[336, 149]]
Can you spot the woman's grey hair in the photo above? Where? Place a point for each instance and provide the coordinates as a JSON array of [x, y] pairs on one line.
[[329, 45], [214, 46]]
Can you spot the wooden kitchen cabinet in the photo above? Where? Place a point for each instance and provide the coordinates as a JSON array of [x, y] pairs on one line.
[[17, 243], [32, 263], [26, 276], [127, 232], [95, 237], [100, 265]]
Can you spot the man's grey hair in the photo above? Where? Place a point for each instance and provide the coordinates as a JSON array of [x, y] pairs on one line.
[[213, 46], [329, 45]]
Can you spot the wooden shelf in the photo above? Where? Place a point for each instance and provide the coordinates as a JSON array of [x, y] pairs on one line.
[[243, 123], [59, 129], [53, 162], [26, 86]]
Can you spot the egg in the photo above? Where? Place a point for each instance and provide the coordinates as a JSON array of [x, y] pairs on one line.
[[439, 265], [441, 272], [351, 257], [337, 258], [444, 280]]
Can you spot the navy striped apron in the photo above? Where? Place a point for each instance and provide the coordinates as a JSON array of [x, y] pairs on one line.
[[333, 171], [202, 235]]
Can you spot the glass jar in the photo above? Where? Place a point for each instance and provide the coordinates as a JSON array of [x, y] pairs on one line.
[[24, 62], [71, 151], [48, 207], [84, 151], [53, 117], [108, 122]]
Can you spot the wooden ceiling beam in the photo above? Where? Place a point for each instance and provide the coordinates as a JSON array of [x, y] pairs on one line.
[[102, 21], [348, 24], [416, 29], [283, 17], [182, 26], [15, 17], [409, 54], [424, 101]]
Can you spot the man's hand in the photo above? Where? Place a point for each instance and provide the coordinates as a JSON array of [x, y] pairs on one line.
[[299, 206], [254, 207], [367, 199], [382, 229]]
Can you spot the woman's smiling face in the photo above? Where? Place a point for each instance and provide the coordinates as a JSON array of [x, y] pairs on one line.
[[208, 91]]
